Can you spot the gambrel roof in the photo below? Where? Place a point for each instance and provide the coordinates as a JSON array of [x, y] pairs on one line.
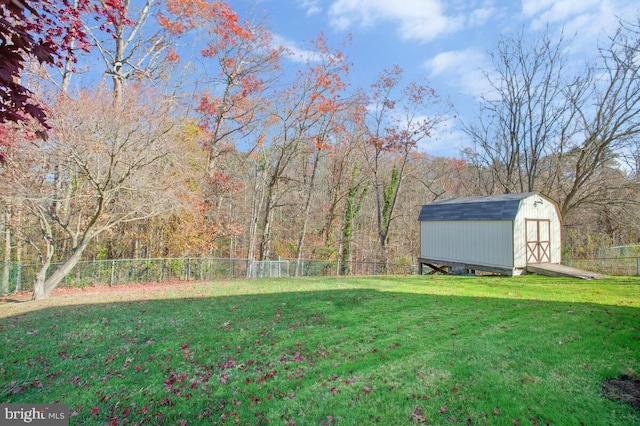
[[492, 207]]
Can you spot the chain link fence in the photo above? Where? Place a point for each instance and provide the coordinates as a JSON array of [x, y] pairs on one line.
[[620, 266], [127, 271]]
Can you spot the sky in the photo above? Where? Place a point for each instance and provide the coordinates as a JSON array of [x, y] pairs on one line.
[[446, 43]]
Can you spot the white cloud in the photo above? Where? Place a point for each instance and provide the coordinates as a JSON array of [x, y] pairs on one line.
[[587, 20], [535, 7], [311, 6], [461, 69], [481, 16], [559, 11], [447, 62], [295, 52], [422, 20], [581, 16]]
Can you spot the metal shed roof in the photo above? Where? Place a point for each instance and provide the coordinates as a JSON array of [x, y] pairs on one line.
[[493, 207]]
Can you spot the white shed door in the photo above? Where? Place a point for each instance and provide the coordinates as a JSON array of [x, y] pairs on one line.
[[538, 240]]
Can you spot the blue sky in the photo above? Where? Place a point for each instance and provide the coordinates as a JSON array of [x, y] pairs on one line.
[[445, 42]]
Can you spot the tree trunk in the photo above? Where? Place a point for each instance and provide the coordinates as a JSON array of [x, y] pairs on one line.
[[43, 288], [18, 255], [256, 208], [387, 203], [39, 287], [67, 71], [265, 242], [306, 211], [6, 220], [61, 273], [355, 197]]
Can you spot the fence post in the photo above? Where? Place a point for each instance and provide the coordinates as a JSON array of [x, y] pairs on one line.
[[113, 272]]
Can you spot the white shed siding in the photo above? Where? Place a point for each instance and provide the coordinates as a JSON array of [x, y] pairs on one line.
[[536, 207], [477, 242]]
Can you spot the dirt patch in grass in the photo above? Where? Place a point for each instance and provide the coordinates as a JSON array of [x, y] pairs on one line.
[[624, 388], [21, 302], [154, 287]]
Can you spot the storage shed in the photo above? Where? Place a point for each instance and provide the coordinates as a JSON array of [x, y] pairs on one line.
[[500, 233]]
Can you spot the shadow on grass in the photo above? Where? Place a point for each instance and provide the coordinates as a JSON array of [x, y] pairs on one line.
[[10, 300]]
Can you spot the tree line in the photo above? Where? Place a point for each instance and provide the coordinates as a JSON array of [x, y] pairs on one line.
[[241, 152]]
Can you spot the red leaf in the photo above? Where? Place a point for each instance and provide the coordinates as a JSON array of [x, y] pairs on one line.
[[95, 410]]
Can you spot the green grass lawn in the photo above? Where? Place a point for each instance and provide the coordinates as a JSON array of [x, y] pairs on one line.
[[323, 351]]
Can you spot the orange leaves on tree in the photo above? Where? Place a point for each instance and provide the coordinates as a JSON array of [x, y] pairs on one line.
[[171, 55], [195, 230], [221, 184], [401, 117], [320, 143], [210, 108], [251, 83], [457, 164], [388, 79], [243, 63], [416, 93], [172, 26], [321, 85], [216, 16]]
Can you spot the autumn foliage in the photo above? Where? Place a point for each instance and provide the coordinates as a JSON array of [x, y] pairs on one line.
[[274, 153], [218, 17], [33, 29]]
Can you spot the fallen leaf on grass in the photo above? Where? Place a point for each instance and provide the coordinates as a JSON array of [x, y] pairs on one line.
[[417, 415]]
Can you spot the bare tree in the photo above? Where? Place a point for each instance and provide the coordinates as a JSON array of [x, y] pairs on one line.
[[544, 129], [526, 116], [128, 44], [104, 165], [398, 119], [607, 105]]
